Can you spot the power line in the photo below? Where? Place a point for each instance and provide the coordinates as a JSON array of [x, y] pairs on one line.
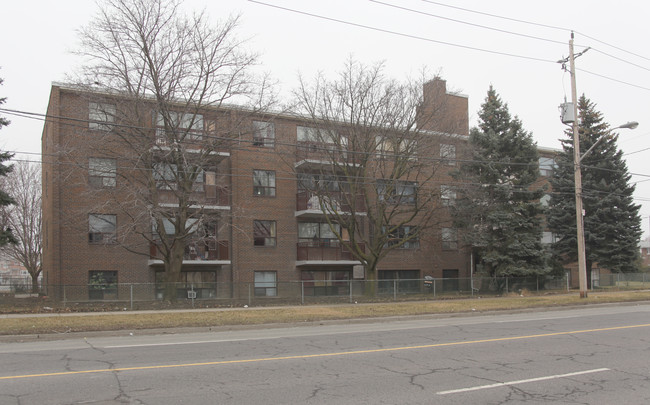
[[613, 79], [536, 24], [229, 142], [469, 23], [505, 31], [402, 34], [439, 41]]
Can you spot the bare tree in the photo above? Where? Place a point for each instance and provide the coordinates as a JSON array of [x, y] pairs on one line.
[[150, 65], [23, 184], [367, 159]]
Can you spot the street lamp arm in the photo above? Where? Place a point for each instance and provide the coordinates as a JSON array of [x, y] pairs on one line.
[[608, 135]]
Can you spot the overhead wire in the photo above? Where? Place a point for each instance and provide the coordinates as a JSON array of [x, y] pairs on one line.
[[402, 34], [79, 123], [485, 50], [536, 24]]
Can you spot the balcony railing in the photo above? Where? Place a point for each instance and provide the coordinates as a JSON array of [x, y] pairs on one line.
[[203, 195], [325, 152], [194, 140], [199, 251], [338, 201], [323, 251]]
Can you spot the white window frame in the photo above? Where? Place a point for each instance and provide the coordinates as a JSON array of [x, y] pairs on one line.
[[266, 283], [102, 172], [448, 154], [264, 183], [101, 116], [102, 228], [449, 239], [263, 134], [448, 195]]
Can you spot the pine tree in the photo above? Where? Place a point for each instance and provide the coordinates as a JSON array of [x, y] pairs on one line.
[[499, 208], [611, 219], [5, 199]]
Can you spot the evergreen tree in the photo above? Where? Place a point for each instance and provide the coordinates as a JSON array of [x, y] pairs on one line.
[[499, 207], [611, 219], [5, 199]]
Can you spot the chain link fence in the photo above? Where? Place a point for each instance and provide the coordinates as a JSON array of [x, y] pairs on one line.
[[130, 296]]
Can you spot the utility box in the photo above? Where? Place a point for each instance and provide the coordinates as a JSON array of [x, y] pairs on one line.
[[567, 114]]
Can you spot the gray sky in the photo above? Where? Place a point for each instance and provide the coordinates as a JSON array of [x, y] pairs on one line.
[[37, 37]]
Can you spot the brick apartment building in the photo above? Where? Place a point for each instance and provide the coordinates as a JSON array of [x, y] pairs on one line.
[[264, 227]]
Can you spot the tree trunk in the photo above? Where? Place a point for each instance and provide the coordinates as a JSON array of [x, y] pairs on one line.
[[34, 284], [370, 289], [173, 271]]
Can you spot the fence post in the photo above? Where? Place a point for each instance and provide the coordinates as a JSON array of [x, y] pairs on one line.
[[131, 297], [350, 288], [568, 286], [64, 297], [537, 281], [507, 285], [249, 294], [394, 290], [302, 292], [434, 288]]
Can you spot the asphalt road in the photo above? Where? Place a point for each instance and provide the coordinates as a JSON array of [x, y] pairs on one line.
[[594, 355]]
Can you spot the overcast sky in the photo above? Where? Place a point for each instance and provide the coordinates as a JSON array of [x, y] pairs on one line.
[[450, 37]]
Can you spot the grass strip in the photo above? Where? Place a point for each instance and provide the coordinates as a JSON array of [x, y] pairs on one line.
[[295, 314]]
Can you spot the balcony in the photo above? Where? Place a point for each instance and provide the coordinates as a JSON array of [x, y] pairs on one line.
[[197, 253], [323, 252], [309, 204], [205, 196], [312, 155], [194, 141]]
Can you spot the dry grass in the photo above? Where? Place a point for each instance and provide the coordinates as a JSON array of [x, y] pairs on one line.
[[256, 316]]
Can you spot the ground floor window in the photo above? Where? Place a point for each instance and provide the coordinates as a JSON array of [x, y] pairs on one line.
[[319, 283], [450, 280], [102, 285], [266, 284], [405, 281], [201, 283]]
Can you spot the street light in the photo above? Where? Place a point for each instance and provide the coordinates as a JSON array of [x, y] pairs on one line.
[[569, 116], [582, 255]]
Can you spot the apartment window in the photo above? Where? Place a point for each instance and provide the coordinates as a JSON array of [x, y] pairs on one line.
[[102, 284], [264, 233], [318, 233], [182, 126], [397, 192], [546, 166], [449, 239], [266, 284], [169, 227], [448, 154], [396, 236], [165, 176], [388, 148], [102, 172], [447, 196], [263, 134], [102, 228], [321, 136], [264, 183], [100, 116]]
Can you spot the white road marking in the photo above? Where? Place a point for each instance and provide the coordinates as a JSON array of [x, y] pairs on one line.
[[178, 343], [550, 377]]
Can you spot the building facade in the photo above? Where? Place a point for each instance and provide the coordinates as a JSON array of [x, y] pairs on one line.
[[253, 217]]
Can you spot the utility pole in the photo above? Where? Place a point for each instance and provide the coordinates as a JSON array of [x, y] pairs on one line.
[[582, 257], [573, 119]]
